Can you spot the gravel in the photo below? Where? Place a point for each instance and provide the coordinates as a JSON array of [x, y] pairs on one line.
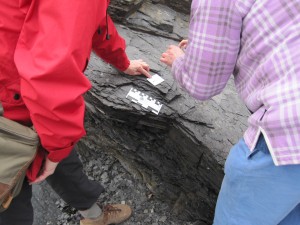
[[121, 187]]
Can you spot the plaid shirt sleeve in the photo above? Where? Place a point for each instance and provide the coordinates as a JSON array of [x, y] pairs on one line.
[[213, 46]]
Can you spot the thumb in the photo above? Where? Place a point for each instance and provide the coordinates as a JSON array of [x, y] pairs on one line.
[[49, 168]]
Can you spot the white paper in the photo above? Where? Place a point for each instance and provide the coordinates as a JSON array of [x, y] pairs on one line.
[[155, 79]]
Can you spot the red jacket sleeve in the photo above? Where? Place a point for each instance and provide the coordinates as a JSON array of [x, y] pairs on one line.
[[113, 50], [52, 51]]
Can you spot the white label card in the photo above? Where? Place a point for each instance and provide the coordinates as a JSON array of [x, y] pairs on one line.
[[155, 79]]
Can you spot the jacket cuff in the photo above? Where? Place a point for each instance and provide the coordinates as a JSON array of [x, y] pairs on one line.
[[58, 155], [122, 62]]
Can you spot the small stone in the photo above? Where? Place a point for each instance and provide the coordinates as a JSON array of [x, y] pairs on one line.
[[163, 219], [104, 176], [91, 178]]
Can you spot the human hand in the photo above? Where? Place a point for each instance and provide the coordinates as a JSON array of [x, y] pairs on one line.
[[183, 44], [47, 170], [138, 67], [172, 53]]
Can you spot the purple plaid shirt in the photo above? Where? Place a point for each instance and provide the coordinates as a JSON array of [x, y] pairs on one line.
[[259, 43]]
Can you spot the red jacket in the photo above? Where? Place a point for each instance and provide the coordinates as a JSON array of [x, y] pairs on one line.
[[44, 48]]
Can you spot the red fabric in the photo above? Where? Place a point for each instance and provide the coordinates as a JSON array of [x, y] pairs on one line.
[[44, 50], [36, 165]]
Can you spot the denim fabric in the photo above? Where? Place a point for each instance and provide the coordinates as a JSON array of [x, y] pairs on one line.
[[255, 191]]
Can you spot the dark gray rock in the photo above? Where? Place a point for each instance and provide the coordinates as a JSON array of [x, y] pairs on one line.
[[158, 16], [121, 9], [147, 17], [180, 6], [178, 153], [168, 167]]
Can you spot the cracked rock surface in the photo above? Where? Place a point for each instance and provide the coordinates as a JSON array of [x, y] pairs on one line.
[[168, 167]]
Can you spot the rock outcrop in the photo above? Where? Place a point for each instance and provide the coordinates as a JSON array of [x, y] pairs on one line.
[[180, 152]]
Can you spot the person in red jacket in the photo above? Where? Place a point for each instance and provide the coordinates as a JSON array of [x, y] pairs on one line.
[[45, 47]]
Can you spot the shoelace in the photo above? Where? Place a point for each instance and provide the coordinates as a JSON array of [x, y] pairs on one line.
[[109, 210]]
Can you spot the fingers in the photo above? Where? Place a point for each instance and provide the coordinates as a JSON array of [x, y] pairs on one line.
[[164, 60], [145, 72], [171, 47], [48, 169], [171, 54], [145, 66], [143, 69], [139, 62], [163, 57], [183, 44], [41, 178], [138, 67]]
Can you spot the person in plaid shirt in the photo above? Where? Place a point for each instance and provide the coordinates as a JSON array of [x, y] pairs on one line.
[[258, 42]]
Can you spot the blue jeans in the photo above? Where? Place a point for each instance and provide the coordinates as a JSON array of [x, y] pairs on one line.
[[255, 191]]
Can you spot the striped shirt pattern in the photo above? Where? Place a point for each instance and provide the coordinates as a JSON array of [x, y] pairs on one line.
[[258, 41]]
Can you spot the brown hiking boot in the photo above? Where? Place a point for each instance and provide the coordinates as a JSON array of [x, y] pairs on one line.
[[112, 214]]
